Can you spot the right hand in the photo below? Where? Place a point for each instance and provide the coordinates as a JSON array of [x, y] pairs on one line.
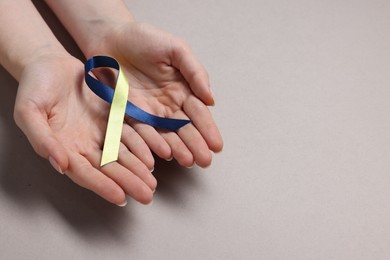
[[167, 80], [65, 122]]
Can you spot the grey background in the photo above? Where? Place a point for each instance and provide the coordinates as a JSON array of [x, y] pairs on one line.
[[303, 103]]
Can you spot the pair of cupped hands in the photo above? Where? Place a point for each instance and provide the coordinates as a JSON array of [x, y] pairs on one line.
[[65, 121]]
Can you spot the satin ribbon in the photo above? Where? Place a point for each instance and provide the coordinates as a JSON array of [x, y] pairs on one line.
[[121, 106]]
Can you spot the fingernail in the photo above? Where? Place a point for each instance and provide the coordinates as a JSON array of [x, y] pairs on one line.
[[170, 159], [189, 167], [55, 165], [212, 96], [123, 204], [151, 170], [154, 190], [150, 203]]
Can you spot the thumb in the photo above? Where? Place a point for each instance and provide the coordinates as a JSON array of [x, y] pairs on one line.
[[193, 71], [35, 126]]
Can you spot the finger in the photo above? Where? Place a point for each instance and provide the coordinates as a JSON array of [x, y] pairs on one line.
[[81, 172], [179, 150], [132, 163], [203, 121], [152, 138], [193, 71], [36, 127], [195, 143], [130, 183], [137, 146]]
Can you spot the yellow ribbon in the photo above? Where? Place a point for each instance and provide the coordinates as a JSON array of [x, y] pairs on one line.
[[115, 120]]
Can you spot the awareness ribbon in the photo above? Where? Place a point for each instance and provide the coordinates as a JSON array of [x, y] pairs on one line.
[[121, 106]]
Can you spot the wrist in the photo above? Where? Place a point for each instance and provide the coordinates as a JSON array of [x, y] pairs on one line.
[[17, 62], [41, 53], [91, 23], [103, 30]]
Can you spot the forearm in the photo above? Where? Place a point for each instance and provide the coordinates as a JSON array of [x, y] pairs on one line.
[[90, 21], [24, 36]]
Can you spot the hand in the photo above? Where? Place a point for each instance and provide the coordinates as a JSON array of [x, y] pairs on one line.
[[65, 122], [165, 79]]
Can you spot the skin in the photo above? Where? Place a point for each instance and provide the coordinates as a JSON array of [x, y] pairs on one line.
[[165, 78], [63, 119], [65, 122]]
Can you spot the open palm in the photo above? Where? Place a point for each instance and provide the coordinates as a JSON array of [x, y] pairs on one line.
[[65, 122], [165, 79]]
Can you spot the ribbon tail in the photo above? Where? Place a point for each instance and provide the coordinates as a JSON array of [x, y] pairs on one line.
[[115, 121], [156, 121]]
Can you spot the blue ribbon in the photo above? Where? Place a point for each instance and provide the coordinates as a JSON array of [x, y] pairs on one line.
[[106, 93]]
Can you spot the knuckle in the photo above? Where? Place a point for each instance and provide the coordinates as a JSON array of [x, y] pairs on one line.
[[197, 108], [123, 149], [182, 44], [109, 191]]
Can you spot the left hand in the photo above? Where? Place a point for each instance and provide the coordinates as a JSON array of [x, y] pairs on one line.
[[166, 79], [65, 123]]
